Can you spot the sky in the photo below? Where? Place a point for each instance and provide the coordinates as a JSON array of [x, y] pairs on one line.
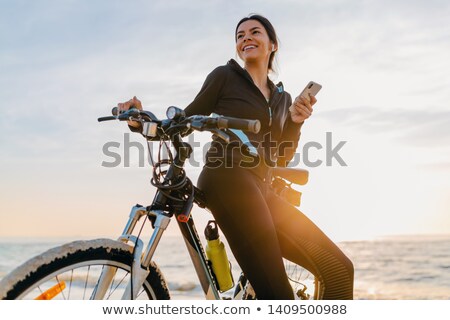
[[383, 66]]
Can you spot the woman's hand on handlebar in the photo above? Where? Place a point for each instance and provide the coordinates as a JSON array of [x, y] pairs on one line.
[[132, 103], [301, 109]]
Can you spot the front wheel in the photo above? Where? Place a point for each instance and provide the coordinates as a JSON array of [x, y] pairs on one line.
[[71, 272]]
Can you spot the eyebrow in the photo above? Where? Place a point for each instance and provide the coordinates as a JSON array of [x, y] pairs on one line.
[[250, 30]]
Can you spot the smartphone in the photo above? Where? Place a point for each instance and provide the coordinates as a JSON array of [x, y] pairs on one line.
[[312, 88]]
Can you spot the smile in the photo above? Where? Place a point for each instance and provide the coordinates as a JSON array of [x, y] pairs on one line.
[[248, 47]]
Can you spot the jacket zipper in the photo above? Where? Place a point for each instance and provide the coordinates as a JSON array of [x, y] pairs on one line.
[[247, 75], [267, 101], [270, 113]]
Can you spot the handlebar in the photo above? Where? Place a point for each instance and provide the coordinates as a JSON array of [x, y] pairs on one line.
[[132, 112], [199, 123], [241, 124]]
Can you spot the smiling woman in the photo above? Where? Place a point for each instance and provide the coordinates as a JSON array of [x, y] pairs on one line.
[[263, 35], [260, 226], [256, 44]]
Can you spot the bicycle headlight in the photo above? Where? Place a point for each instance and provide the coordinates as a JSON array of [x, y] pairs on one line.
[[174, 113]]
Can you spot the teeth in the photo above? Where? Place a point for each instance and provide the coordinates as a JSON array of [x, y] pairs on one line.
[[249, 47]]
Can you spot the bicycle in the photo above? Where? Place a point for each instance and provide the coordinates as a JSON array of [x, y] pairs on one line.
[[123, 268]]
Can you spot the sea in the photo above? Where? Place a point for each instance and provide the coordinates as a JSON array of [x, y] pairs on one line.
[[388, 268]]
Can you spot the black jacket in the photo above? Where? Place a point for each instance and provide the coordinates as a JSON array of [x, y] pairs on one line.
[[230, 91]]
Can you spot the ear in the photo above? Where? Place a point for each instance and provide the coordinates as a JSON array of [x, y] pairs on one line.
[[274, 47]]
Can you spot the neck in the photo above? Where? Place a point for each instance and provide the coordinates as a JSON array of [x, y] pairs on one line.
[[258, 72]]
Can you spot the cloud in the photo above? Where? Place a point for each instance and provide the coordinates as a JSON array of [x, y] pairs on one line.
[[421, 128], [438, 166], [68, 64]]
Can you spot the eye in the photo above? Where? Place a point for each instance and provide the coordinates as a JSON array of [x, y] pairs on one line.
[[255, 32], [239, 36]]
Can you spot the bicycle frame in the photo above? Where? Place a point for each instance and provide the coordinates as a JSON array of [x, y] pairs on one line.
[[160, 221], [166, 205]]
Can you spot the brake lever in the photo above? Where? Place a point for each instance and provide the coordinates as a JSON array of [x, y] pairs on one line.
[[220, 134]]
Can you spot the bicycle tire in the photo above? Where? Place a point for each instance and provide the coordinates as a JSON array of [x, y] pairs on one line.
[[80, 262]]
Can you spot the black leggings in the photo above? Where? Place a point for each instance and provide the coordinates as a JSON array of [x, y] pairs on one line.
[[261, 228]]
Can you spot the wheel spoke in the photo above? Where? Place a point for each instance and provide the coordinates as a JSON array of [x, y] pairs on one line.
[[301, 280], [61, 287], [121, 280], [86, 282]]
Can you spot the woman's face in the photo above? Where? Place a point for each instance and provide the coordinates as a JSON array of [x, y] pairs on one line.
[[252, 42]]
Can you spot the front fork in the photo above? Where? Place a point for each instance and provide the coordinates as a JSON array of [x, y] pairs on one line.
[[141, 262]]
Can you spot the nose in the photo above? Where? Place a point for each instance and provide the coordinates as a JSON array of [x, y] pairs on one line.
[[247, 37]]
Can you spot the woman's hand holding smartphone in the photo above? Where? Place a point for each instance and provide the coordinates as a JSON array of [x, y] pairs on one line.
[[301, 108]]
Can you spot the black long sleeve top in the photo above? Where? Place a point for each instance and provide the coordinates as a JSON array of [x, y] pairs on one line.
[[230, 91]]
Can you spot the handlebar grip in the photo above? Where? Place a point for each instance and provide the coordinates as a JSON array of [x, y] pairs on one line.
[[125, 114], [240, 124], [106, 118]]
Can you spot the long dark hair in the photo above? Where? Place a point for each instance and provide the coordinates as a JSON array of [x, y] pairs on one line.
[[269, 29]]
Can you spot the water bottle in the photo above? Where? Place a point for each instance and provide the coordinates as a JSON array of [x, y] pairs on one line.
[[215, 251]]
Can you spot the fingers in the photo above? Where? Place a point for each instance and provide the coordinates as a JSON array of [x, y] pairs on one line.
[[134, 102], [120, 107], [306, 102], [299, 114], [302, 105], [301, 108], [313, 100], [124, 106]]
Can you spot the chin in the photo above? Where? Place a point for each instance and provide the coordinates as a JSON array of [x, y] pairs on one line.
[[251, 58]]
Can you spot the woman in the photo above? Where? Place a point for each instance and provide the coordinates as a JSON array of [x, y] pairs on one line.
[[260, 227]]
